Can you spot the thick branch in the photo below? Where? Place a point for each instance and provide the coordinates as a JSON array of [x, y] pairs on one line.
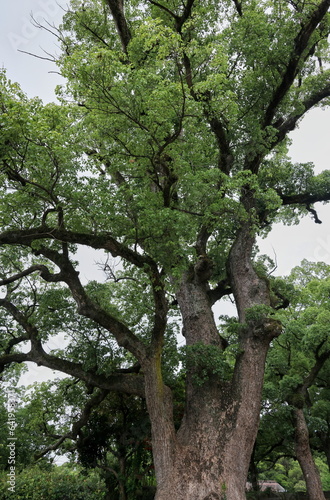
[[128, 383], [14, 341], [303, 198], [123, 382], [117, 11], [289, 123], [185, 16], [221, 290], [8, 359], [238, 6], [43, 270], [300, 45], [86, 307], [102, 241]]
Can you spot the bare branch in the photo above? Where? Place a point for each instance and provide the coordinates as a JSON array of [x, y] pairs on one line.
[[52, 59]]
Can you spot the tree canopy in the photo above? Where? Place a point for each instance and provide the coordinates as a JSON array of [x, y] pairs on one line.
[[168, 151]]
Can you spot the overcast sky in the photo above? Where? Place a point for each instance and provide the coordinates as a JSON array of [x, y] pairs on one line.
[[311, 142]]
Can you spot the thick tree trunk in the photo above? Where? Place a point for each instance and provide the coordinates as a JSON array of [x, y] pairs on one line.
[[305, 458], [213, 446], [208, 457]]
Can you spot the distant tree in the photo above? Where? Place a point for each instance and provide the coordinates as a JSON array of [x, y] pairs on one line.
[[296, 370], [169, 153], [106, 432]]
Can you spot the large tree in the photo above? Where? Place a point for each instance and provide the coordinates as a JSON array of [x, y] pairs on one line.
[[168, 152]]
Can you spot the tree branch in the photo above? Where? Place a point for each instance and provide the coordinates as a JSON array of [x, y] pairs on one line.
[[103, 241], [129, 383], [217, 127], [303, 198], [123, 382], [320, 359], [300, 45], [43, 270], [222, 289], [288, 124], [86, 307], [185, 15], [117, 11], [8, 359], [94, 401], [238, 6], [19, 317], [164, 8]]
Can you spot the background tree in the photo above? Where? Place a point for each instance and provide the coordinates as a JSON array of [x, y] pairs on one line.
[[296, 370], [168, 152]]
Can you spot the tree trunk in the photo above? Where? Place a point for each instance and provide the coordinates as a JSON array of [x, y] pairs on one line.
[[305, 458], [253, 472], [213, 446], [324, 437], [208, 457], [121, 476]]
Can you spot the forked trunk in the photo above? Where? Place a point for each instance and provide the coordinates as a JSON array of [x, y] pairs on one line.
[[211, 454], [208, 457]]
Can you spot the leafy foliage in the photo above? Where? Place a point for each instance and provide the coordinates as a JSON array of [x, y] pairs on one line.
[[168, 150], [59, 482]]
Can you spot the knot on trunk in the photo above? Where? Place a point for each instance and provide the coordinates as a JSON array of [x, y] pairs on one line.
[[260, 322], [204, 268], [268, 328]]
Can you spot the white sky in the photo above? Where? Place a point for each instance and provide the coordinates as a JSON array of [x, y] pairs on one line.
[[311, 142]]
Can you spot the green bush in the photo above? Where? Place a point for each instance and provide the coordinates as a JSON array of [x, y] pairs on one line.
[[63, 483]]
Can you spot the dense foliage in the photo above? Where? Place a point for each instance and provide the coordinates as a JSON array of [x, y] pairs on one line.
[[167, 152]]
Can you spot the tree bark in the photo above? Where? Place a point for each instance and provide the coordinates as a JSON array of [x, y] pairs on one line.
[[208, 457], [210, 453], [254, 473], [305, 458]]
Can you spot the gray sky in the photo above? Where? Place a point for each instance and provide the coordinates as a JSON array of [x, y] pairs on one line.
[[311, 142]]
